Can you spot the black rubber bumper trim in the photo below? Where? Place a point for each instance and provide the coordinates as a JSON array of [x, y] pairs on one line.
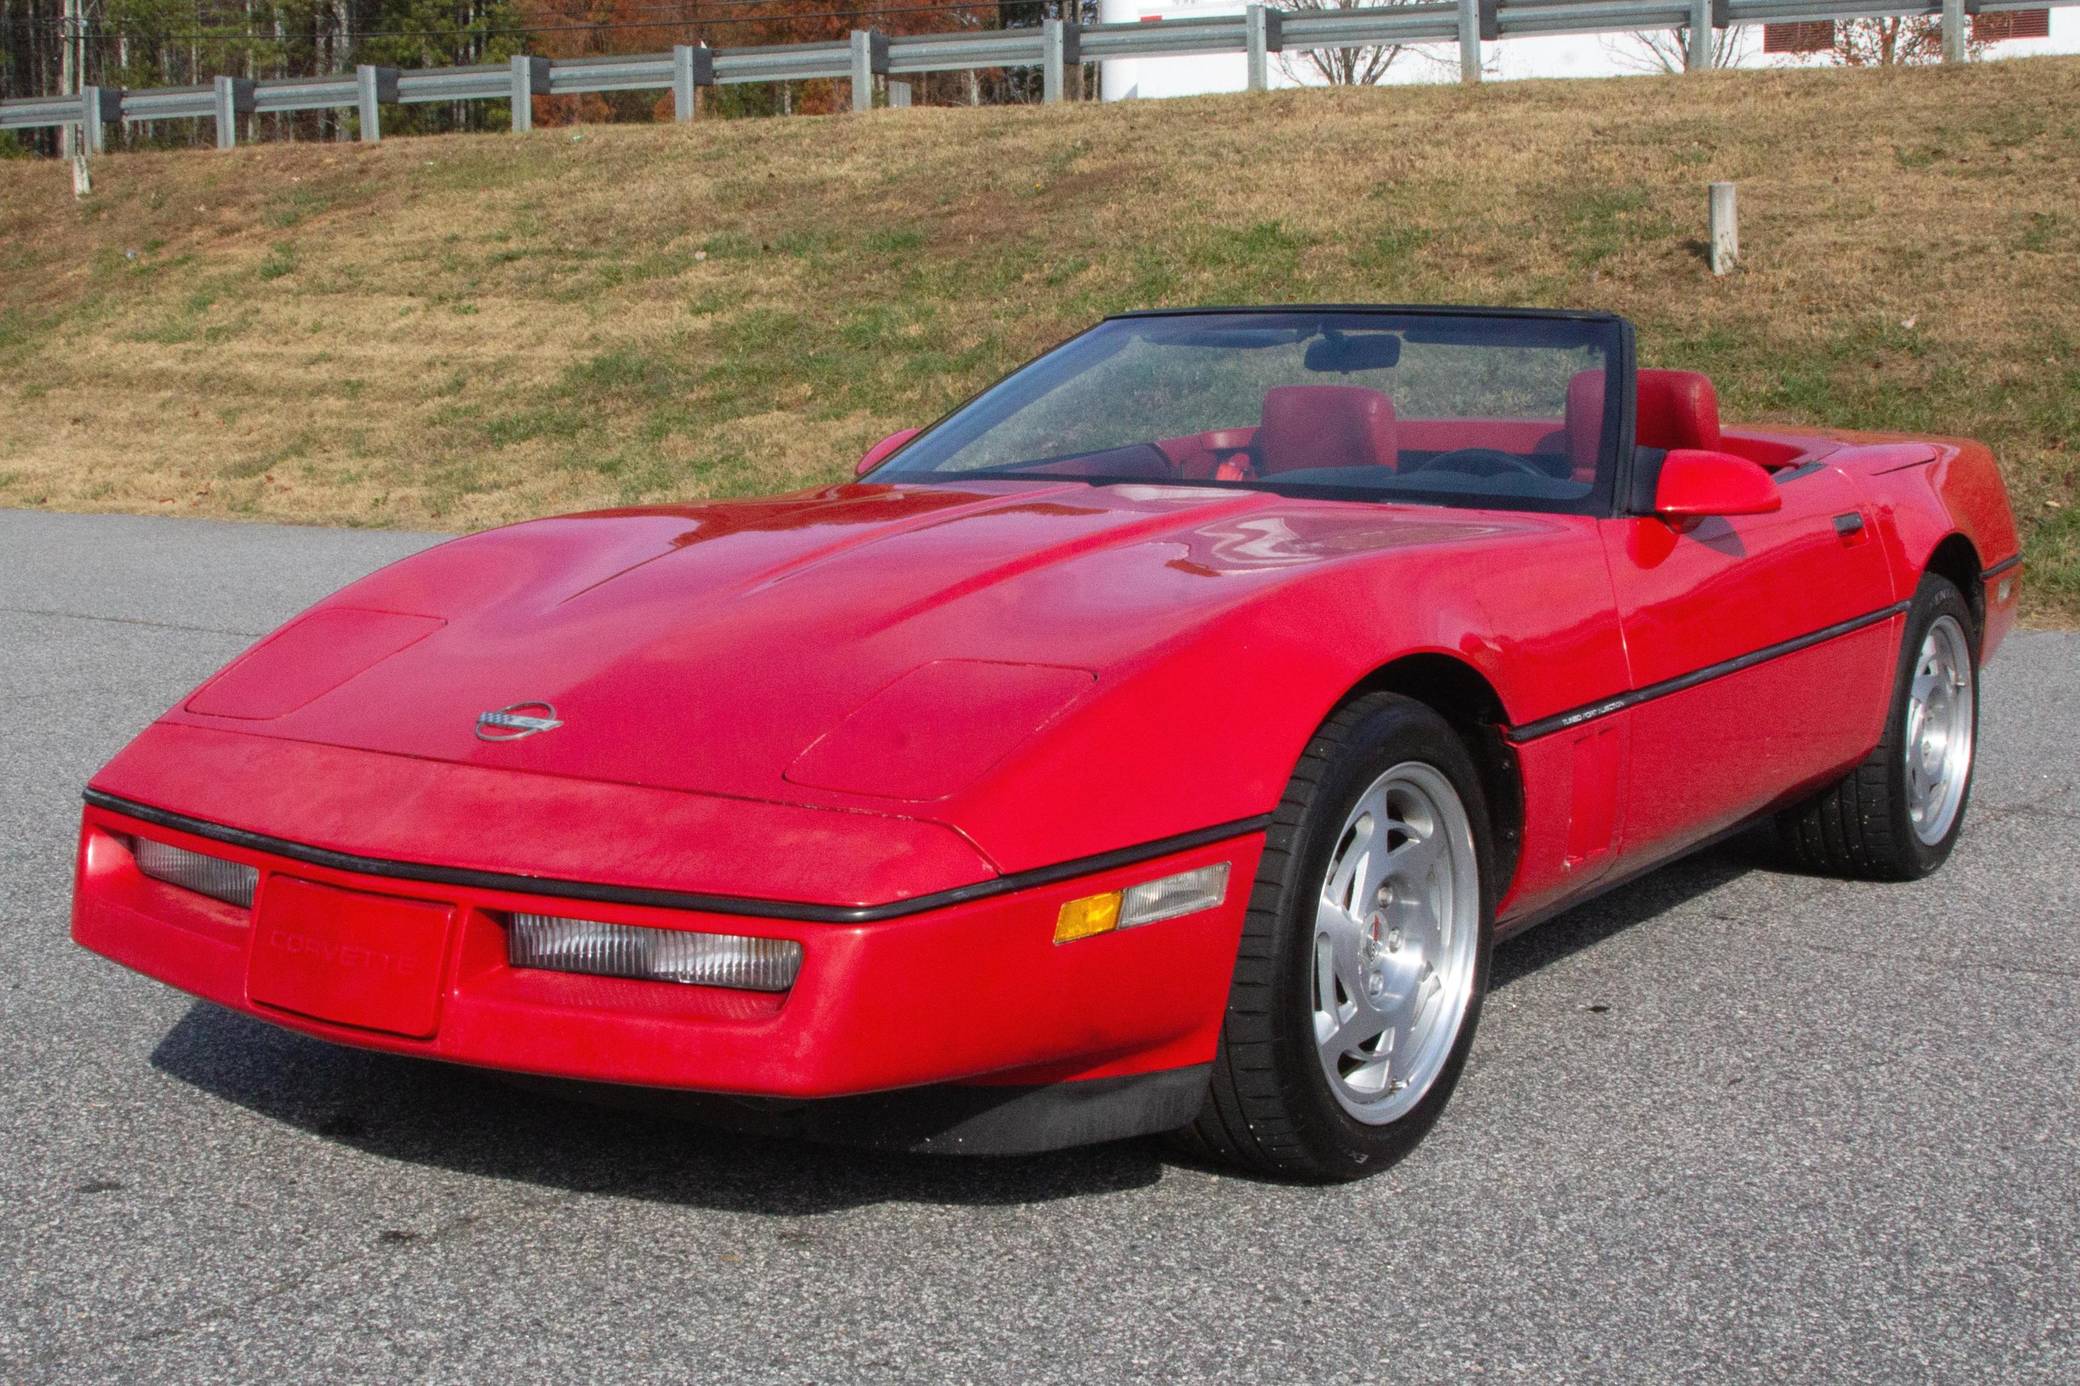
[[2006, 565], [942, 1119], [1575, 717], [751, 907]]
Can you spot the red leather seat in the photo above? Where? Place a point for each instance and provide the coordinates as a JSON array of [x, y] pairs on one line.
[[1676, 409], [1325, 426]]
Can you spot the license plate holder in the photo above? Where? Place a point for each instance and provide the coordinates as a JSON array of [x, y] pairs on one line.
[[349, 957]]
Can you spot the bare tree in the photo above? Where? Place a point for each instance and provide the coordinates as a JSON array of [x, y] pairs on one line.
[[1340, 67], [1668, 50]]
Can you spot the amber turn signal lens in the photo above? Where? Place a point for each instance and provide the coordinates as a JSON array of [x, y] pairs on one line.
[[1093, 914]]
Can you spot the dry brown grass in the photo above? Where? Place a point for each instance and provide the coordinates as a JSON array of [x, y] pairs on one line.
[[458, 331]]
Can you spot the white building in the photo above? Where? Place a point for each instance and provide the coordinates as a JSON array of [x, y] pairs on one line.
[[1594, 55]]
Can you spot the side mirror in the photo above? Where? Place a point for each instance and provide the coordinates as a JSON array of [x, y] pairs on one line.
[[874, 455], [1698, 482]]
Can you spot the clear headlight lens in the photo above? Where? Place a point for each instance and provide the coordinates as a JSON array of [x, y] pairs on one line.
[[212, 876], [657, 955], [1188, 892]]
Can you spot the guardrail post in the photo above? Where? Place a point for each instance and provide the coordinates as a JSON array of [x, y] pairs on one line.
[[97, 107], [1724, 229], [372, 87], [1469, 41], [869, 56], [693, 67], [1261, 26], [1953, 31], [898, 93], [530, 79], [233, 98], [1058, 53], [1699, 56]]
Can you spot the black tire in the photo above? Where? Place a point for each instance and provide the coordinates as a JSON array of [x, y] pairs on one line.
[[1861, 827], [1269, 1108]]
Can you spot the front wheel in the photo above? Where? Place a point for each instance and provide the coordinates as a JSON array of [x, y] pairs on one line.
[[1896, 816], [1364, 953]]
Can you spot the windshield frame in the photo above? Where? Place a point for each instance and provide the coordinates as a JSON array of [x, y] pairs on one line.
[[1612, 475]]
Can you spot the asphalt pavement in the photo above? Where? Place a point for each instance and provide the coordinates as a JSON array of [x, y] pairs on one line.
[[1725, 1122]]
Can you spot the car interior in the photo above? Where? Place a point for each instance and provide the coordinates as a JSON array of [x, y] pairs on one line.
[[1352, 436]]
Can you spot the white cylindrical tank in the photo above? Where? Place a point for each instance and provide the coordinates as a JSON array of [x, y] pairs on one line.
[[1120, 79], [1125, 79]]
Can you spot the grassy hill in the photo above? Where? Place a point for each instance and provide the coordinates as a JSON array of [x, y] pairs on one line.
[[457, 331]]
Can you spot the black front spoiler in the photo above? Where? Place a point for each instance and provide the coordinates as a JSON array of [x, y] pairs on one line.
[[945, 1119]]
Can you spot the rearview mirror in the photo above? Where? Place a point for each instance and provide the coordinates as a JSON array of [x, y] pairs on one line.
[[1698, 482], [1345, 352], [875, 455]]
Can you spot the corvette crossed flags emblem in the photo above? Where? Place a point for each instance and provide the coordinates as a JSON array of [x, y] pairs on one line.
[[515, 722]]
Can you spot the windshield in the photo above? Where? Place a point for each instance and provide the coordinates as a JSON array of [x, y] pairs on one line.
[[1459, 408]]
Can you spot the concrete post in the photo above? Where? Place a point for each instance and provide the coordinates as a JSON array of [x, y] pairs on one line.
[[1953, 31], [869, 57], [98, 106], [530, 79], [1054, 61], [1469, 41], [1699, 56], [1724, 229], [233, 98], [898, 93], [693, 67], [1261, 26], [372, 87]]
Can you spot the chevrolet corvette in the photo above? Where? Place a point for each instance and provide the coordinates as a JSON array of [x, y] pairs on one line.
[[1160, 742]]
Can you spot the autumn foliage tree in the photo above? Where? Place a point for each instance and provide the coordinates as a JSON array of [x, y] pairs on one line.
[[592, 28], [1892, 41], [48, 47], [579, 28]]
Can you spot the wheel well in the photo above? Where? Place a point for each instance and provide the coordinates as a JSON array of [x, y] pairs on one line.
[[1957, 560], [1457, 692]]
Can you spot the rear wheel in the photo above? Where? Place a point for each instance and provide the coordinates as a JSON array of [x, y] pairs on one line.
[[1896, 816], [1364, 954]]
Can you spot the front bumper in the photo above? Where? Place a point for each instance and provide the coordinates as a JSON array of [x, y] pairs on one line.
[[974, 992]]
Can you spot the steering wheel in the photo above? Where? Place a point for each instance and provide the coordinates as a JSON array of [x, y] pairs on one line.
[[1481, 462]]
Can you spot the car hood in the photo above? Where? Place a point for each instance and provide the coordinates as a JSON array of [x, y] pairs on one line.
[[867, 640]]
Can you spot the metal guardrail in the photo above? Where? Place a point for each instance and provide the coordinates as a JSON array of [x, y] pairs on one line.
[[868, 54]]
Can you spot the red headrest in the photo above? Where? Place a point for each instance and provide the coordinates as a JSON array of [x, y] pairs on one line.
[[1677, 409], [1325, 426]]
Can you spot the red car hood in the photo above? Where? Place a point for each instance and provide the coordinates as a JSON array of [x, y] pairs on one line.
[[707, 648]]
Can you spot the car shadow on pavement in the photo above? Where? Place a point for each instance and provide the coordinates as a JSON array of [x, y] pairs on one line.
[[470, 1121], [1635, 902]]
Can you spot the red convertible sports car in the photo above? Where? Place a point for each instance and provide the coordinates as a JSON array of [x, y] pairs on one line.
[[1159, 742]]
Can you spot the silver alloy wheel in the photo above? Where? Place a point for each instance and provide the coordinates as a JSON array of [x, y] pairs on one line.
[[1395, 942], [1938, 738]]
